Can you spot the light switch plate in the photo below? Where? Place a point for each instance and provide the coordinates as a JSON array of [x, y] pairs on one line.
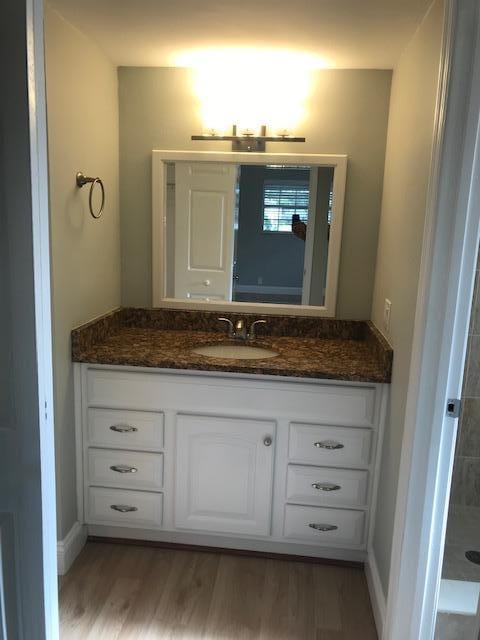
[[387, 311]]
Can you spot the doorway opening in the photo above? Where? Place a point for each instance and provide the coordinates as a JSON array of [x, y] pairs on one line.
[[458, 613]]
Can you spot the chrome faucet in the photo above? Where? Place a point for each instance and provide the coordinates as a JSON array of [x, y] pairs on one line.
[[238, 331]]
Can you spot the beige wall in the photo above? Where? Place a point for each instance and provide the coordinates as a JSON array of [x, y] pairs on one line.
[[407, 167], [348, 114], [82, 105]]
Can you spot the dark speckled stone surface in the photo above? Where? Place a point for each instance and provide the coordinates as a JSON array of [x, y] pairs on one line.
[[307, 347]]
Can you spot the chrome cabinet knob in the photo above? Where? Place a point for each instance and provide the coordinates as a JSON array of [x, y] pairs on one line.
[[267, 441]]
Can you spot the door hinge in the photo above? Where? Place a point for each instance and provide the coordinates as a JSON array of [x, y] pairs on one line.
[[454, 406]]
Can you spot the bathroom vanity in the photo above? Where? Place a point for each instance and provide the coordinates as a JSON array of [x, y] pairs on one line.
[[274, 455]]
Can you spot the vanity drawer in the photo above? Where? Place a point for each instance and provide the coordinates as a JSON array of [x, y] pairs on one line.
[[125, 429], [127, 508], [326, 526], [330, 446], [128, 469], [326, 486]]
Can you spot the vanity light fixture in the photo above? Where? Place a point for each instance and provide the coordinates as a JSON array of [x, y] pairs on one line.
[[249, 141]]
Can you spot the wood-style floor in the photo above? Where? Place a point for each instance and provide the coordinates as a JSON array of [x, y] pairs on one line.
[[128, 592]]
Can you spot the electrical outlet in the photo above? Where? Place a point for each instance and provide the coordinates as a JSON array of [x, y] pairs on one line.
[[259, 280], [387, 312]]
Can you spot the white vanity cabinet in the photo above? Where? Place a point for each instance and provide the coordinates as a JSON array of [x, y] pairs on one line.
[[239, 461]]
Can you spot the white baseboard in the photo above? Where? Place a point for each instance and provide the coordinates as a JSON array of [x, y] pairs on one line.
[[377, 596], [69, 548], [207, 539]]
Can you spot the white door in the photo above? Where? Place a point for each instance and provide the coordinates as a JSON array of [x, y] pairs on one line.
[[204, 215], [224, 470], [28, 581]]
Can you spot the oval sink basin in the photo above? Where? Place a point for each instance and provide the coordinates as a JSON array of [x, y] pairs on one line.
[[234, 352]]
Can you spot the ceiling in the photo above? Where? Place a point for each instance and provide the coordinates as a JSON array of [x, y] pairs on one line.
[[341, 33]]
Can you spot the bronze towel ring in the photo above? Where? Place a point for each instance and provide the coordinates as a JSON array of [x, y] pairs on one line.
[[82, 180]]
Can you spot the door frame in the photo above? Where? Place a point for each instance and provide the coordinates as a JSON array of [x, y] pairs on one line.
[[43, 318], [32, 489], [442, 317], [449, 253]]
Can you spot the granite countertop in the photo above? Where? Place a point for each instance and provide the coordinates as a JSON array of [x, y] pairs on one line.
[[307, 347]]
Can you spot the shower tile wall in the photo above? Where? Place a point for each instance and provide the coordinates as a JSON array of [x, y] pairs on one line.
[[463, 528], [466, 472]]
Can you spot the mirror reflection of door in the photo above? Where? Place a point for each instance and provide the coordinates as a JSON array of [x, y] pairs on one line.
[[204, 212], [248, 233]]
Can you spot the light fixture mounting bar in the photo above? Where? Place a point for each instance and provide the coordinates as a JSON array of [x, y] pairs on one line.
[[247, 142]]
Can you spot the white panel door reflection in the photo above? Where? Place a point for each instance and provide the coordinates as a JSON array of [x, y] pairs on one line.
[[204, 212]]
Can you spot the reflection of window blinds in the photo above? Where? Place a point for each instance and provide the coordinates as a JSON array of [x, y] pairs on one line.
[[281, 200], [288, 167]]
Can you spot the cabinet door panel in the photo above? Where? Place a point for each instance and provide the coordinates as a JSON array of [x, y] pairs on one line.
[[224, 474]]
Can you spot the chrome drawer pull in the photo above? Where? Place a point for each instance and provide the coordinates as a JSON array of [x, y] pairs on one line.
[[323, 527], [123, 508], [120, 428], [123, 468], [326, 486], [328, 444]]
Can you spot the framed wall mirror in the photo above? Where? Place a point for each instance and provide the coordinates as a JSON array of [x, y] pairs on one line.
[[253, 232]]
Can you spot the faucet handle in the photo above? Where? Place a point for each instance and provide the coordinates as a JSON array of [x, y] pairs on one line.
[[231, 328], [251, 331]]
